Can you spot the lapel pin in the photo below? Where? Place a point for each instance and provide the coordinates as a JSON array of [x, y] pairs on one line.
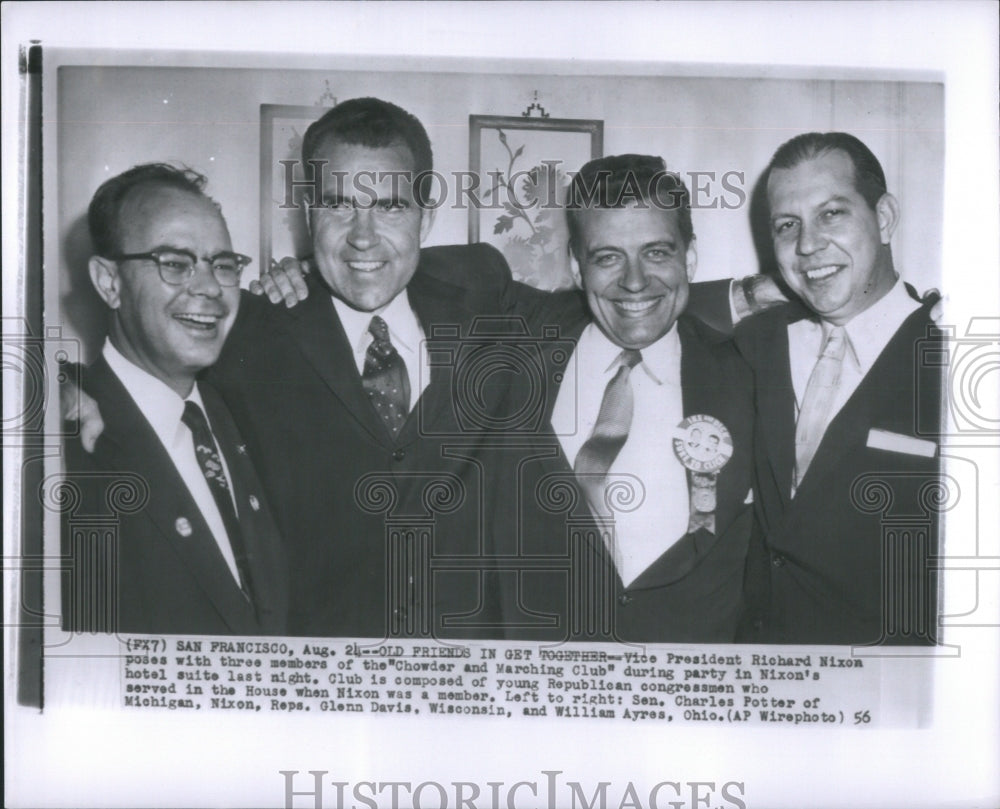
[[254, 503], [241, 449], [183, 526]]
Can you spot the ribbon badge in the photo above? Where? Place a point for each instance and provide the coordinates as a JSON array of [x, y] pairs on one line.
[[704, 446]]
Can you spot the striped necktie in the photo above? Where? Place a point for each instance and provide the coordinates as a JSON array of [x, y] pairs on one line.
[[207, 453]]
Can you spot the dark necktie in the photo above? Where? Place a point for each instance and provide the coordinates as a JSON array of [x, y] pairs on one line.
[[614, 420], [385, 378], [207, 453]]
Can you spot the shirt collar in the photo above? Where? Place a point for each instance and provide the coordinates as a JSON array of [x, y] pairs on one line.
[[404, 328], [157, 401], [869, 331], [660, 360]]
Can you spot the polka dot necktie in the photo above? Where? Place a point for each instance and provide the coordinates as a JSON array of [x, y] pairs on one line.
[[385, 379]]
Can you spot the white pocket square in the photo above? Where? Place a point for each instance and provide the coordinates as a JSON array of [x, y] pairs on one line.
[[897, 442], [749, 499]]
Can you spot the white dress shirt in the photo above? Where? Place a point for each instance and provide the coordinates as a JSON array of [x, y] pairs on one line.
[[661, 518], [163, 409], [868, 333], [405, 332]]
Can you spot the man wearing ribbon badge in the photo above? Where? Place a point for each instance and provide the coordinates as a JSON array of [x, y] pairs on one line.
[[651, 422]]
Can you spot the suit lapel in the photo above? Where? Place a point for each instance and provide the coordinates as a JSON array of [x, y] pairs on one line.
[[702, 393], [265, 551], [776, 403], [848, 430], [445, 321], [129, 443], [320, 337], [698, 398]]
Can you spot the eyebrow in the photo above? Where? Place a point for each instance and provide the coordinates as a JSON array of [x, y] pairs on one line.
[[670, 243], [340, 199], [171, 248], [836, 198]]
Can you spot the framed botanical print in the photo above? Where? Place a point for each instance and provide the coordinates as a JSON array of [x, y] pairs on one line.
[[523, 167]]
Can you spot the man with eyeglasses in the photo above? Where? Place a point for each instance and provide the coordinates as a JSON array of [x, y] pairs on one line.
[[197, 550]]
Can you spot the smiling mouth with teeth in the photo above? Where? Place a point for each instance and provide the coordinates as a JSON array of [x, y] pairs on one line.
[[365, 266], [637, 306], [198, 321], [819, 273]]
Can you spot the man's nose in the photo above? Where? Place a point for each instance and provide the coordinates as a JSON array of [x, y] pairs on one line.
[[810, 240], [362, 235], [634, 277], [203, 280]]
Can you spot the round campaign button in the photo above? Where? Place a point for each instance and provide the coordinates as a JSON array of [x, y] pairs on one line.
[[703, 444]]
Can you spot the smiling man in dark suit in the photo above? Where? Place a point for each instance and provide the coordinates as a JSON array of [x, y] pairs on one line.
[[652, 544], [355, 431], [839, 459], [197, 551]]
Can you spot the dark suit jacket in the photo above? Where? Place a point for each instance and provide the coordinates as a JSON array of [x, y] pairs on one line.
[[845, 560], [387, 536], [148, 576], [561, 583]]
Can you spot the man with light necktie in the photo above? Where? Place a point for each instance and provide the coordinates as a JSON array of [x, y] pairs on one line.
[[195, 550], [652, 426], [845, 473]]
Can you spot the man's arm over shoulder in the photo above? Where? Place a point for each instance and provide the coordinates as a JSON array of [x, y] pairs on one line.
[[722, 305], [254, 322], [710, 303], [477, 265]]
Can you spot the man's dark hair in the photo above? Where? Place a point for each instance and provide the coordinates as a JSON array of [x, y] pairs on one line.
[[620, 180], [869, 178], [375, 124], [105, 208]]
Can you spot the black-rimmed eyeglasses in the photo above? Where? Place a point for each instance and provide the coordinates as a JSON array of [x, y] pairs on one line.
[[176, 267]]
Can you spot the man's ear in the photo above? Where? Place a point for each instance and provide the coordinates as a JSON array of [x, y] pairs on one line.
[[887, 211], [691, 259], [106, 280], [426, 222], [574, 267], [306, 213]]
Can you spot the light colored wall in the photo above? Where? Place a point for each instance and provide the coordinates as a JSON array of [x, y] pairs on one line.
[[111, 118]]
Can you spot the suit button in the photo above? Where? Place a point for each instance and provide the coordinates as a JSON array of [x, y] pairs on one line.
[[624, 599], [399, 454], [778, 560], [758, 624]]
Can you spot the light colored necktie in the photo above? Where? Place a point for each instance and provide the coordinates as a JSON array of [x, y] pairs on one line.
[[614, 419], [820, 393]]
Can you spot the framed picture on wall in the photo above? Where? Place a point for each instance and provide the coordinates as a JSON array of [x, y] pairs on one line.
[[282, 226], [524, 167]]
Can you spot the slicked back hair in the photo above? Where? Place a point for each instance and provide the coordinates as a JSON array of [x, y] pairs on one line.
[[620, 180], [869, 178], [375, 124]]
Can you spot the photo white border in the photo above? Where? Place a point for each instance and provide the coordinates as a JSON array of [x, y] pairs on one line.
[[81, 757]]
